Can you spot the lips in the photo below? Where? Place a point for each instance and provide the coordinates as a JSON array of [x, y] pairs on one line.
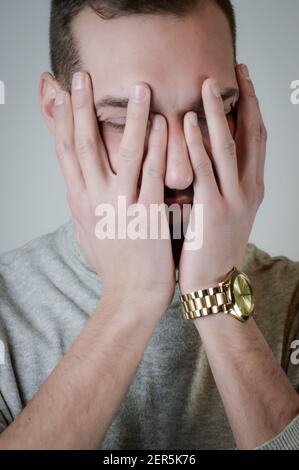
[[176, 196]]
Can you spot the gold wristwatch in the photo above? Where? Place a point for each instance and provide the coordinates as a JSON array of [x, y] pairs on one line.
[[233, 296]]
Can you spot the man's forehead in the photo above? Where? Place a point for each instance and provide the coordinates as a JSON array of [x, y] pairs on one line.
[[173, 56], [160, 42]]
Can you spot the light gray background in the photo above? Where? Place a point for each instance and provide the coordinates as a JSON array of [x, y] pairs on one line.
[[32, 192]]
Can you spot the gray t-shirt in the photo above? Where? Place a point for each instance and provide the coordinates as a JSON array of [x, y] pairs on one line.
[[47, 294]]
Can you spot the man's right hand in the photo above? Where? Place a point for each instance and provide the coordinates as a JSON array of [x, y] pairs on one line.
[[98, 368], [129, 269]]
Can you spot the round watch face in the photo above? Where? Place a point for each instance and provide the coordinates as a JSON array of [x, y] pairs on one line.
[[242, 296]]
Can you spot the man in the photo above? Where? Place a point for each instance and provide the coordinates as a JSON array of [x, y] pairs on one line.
[[147, 102]]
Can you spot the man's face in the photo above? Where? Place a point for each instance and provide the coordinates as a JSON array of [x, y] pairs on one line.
[[173, 56]]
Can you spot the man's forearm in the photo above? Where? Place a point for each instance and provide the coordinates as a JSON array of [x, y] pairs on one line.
[[258, 398], [76, 404]]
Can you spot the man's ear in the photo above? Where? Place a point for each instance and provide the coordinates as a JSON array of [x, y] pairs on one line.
[[48, 87]]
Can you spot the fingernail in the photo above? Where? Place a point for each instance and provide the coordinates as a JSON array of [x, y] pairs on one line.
[[158, 123], [59, 99], [245, 71], [78, 81], [215, 89], [138, 93], [193, 119]]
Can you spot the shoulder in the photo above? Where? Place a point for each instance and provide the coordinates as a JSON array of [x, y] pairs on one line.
[[24, 271], [27, 274], [275, 279], [263, 266], [32, 253], [33, 316], [258, 258]]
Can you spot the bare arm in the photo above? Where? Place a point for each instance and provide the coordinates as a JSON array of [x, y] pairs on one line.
[[259, 399], [76, 404]]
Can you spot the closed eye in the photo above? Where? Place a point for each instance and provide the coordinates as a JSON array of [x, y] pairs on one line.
[[121, 127], [115, 125], [112, 125]]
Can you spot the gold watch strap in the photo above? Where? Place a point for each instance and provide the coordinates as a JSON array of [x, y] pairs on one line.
[[205, 302]]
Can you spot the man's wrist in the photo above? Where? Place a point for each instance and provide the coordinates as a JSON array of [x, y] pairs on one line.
[[203, 282], [136, 306], [222, 325]]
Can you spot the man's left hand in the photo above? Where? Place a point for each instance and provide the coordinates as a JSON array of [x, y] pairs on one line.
[[232, 196]]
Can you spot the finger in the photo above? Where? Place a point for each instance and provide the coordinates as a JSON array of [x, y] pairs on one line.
[[250, 132], [132, 145], [89, 146], [65, 145], [205, 185], [222, 143], [154, 166], [263, 150], [260, 176]]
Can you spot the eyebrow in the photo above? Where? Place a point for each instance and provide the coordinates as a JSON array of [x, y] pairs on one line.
[[110, 101]]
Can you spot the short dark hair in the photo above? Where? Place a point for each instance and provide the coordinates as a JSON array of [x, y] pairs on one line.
[[65, 60]]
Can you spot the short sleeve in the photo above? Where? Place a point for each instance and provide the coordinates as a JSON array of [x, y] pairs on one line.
[[5, 415], [287, 439]]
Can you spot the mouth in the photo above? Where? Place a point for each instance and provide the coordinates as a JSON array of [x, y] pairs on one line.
[[179, 197], [180, 200], [184, 202]]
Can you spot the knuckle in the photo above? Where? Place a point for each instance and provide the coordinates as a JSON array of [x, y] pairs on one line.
[[230, 149], [156, 145], [220, 210], [85, 147], [153, 171], [204, 167], [239, 205], [253, 197], [264, 133], [76, 202], [129, 154], [63, 148], [255, 134], [260, 192], [195, 144], [250, 89]]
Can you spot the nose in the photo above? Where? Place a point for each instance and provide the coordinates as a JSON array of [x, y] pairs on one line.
[[179, 174]]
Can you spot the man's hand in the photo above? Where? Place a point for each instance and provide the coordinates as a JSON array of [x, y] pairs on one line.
[[248, 376], [129, 269], [231, 200], [139, 274]]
